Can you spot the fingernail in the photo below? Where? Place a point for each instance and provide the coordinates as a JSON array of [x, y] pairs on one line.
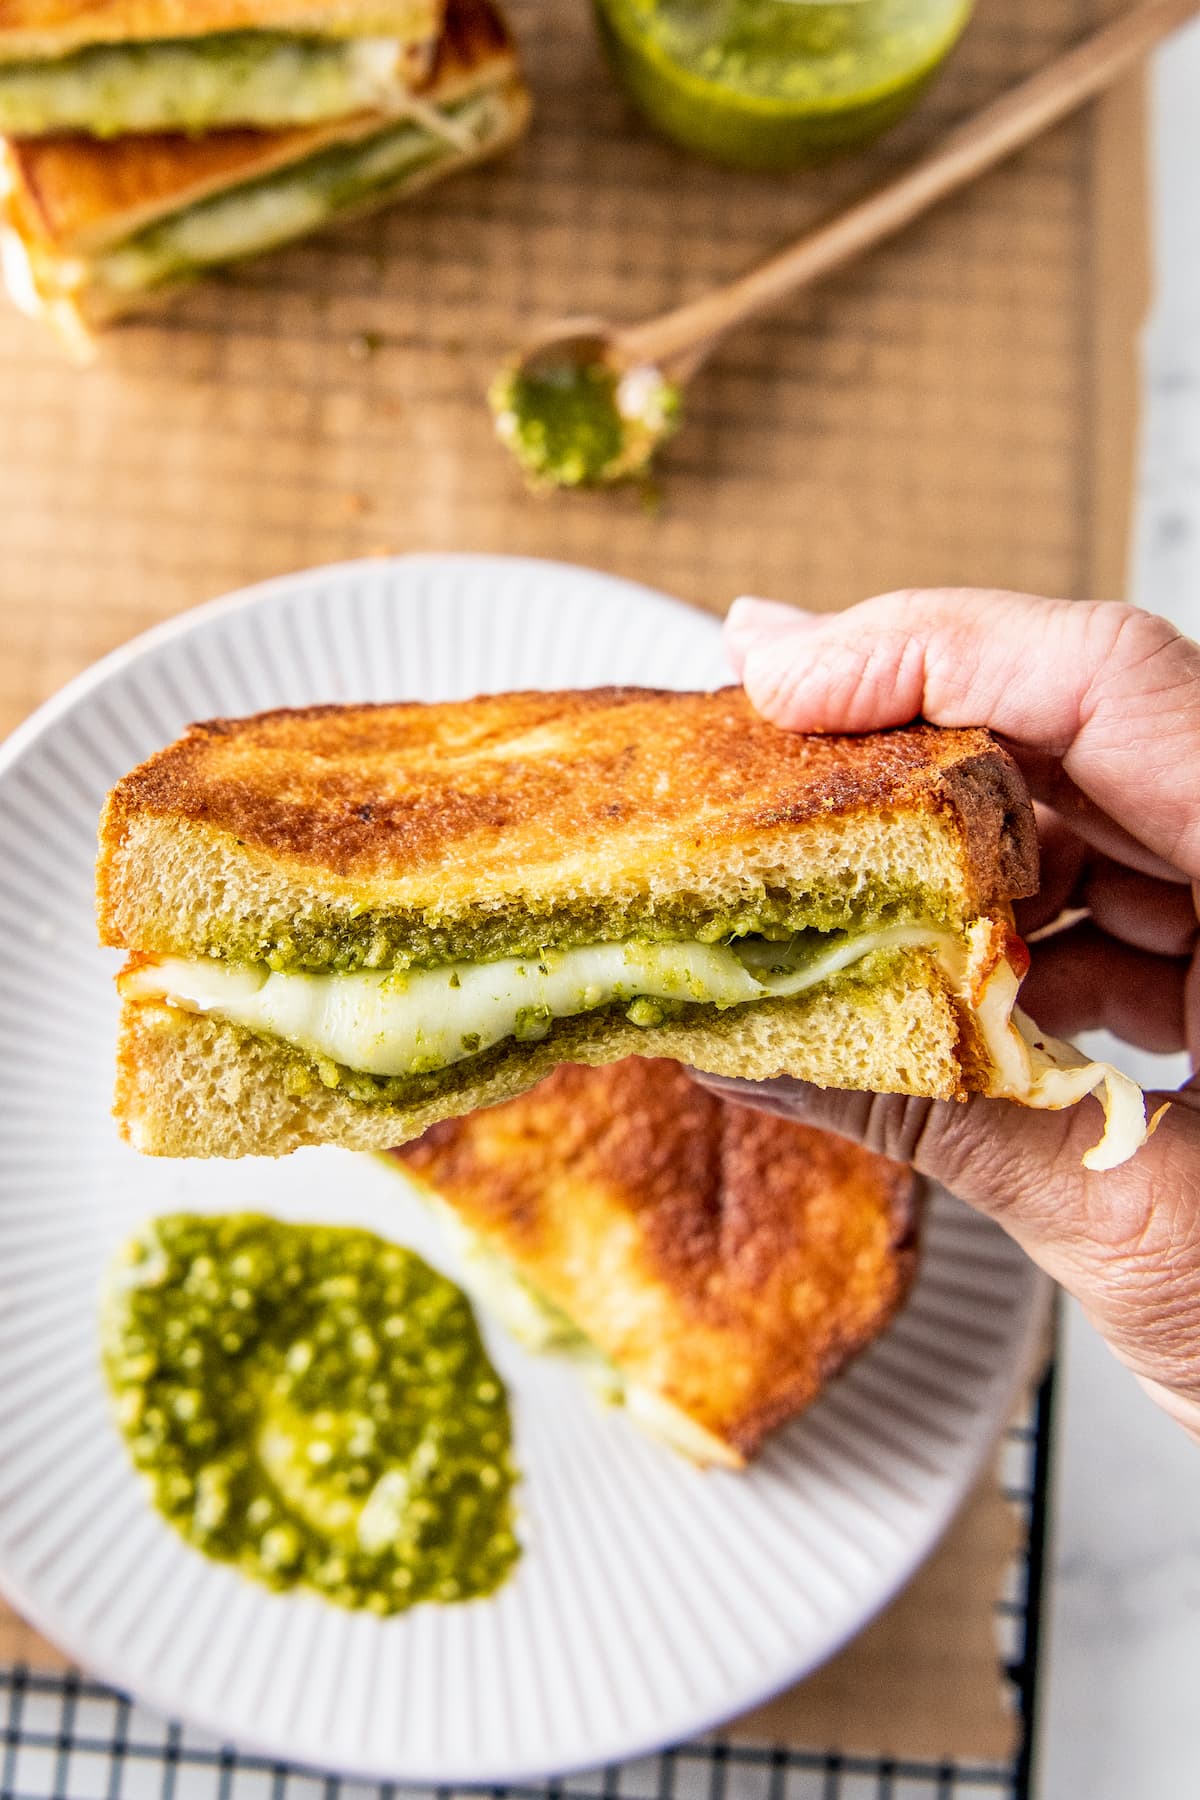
[[733, 1085], [749, 618]]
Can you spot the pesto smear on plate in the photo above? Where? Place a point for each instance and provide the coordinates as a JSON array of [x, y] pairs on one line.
[[774, 83], [581, 424], [313, 1404]]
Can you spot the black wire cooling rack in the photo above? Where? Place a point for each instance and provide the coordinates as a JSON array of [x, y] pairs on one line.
[[64, 1737]]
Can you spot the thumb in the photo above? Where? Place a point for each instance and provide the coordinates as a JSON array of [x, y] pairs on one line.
[[1110, 692], [749, 622], [1126, 1242]]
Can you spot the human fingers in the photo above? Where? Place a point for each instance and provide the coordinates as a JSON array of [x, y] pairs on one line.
[[748, 620], [1083, 980], [1113, 692], [1126, 1242], [1151, 914], [1049, 784], [1158, 916], [1191, 1007], [1062, 856]]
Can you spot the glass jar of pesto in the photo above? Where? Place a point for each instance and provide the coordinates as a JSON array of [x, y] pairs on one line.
[[772, 84]]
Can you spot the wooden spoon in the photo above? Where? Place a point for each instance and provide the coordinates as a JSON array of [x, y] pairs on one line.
[[676, 344]]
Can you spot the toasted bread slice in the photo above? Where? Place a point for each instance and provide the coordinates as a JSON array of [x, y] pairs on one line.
[[76, 298], [378, 836], [31, 30], [262, 81], [724, 1263]]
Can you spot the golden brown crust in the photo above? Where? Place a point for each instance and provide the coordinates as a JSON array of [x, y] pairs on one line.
[[44, 28], [729, 1260], [988, 794], [82, 194], [518, 781]]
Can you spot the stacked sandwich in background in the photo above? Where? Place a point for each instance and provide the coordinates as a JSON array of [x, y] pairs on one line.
[[146, 141]]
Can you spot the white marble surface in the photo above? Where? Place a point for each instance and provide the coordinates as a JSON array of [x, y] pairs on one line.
[[1120, 1713], [1166, 572]]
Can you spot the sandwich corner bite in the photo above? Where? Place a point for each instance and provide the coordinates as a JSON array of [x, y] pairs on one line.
[[92, 231], [708, 1267], [348, 923]]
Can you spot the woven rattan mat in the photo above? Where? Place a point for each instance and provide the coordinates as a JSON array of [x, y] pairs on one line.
[[958, 408]]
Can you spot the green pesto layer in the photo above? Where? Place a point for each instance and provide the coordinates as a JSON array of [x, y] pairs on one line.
[[337, 944], [304, 1075], [285, 204]]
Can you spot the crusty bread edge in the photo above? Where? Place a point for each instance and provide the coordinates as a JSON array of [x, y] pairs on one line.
[[988, 796], [979, 802], [973, 840], [906, 1196]]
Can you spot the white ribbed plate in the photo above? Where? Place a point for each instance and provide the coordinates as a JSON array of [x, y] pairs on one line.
[[652, 1600]]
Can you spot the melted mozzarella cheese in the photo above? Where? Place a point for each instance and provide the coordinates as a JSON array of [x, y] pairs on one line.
[[263, 79], [247, 219], [1043, 1072], [404, 1023], [273, 209]]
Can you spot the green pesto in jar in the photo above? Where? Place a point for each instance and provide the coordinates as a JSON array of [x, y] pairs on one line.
[[314, 1405], [775, 83], [580, 424]]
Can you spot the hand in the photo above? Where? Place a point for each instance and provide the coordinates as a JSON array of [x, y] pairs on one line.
[[1100, 705]]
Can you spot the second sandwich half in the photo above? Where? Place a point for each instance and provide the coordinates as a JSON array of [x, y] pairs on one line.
[[95, 229], [351, 922]]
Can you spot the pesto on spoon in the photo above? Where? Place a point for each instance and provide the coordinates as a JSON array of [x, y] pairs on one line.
[[576, 420], [589, 402]]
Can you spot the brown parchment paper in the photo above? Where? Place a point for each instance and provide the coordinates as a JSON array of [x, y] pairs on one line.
[[958, 408], [922, 1681]]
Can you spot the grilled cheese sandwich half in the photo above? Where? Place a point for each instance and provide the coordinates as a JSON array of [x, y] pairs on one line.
[[351, 922], [159, 65], [94, 231], [706, 1267]]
